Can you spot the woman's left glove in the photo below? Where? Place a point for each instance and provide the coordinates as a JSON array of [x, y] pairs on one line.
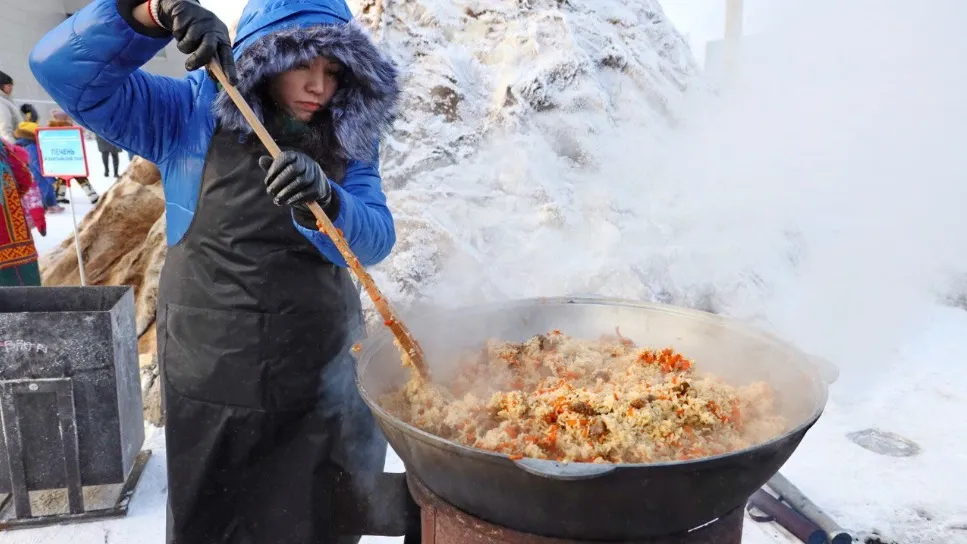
[[294, 179]]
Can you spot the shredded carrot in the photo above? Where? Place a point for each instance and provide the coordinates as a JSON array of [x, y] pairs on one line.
[[736, 414]]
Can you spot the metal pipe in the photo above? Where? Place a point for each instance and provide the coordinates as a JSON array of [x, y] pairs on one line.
[[792, 495], [734, 15], [789, 519]]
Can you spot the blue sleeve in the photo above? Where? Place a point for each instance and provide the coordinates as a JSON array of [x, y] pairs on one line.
[[89, 64], [363, 218]]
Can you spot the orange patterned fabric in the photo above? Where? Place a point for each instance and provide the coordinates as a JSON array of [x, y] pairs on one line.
[[16, 242]]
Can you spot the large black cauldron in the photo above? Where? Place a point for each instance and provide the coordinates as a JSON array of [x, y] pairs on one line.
[[594, 501]]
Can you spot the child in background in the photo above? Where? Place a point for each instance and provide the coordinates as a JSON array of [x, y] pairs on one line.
[[30, 113], [61, 119]]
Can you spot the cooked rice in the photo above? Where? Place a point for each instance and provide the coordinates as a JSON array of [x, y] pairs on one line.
[[606, 401]]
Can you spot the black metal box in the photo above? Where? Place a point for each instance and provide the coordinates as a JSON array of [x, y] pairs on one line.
[[86, 334]]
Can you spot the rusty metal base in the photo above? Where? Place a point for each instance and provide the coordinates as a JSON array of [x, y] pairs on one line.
[[445, 524]]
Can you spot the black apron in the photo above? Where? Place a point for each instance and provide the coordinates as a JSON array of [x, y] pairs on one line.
[[268, 440]]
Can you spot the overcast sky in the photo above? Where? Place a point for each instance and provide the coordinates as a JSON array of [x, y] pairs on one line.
[[704, 20], [699, 20]]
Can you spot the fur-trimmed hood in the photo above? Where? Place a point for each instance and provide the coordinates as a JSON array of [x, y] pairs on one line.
[[276, 35]]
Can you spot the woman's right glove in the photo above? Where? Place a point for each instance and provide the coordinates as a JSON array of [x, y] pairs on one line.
[[200, 34]]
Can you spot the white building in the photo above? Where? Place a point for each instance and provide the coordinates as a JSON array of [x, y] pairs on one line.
[[24, 22]]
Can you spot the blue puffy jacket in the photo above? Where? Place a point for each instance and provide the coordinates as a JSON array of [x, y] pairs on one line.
[[90, 65]]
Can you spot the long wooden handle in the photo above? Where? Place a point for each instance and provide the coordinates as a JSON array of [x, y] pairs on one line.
[[410, 347]]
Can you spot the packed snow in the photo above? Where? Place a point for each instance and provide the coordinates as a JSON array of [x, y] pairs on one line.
[[525, 144], [558, 148]]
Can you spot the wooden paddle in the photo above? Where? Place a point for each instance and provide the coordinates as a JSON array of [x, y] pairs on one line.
[[412, 351]]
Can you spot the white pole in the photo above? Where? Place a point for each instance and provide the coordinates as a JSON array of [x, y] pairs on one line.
[[733, 35], [77, 242]]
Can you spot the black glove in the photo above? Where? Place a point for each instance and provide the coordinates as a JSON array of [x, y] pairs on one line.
[[294, 179], [199, 33]]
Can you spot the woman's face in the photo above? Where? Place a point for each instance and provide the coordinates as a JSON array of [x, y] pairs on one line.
[[307, 88]]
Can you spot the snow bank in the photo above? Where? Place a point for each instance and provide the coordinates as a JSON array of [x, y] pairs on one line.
[[523, 148]]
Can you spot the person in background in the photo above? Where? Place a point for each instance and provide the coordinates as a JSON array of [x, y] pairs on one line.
[[26, 134], [9, 112], [61, 119], [29, 113], [268, 439], [18, 255], [108, 151]]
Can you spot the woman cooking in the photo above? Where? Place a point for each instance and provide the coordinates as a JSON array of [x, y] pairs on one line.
[[267, 438]]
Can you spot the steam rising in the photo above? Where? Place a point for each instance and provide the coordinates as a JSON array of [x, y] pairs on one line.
[[831, 176], [820, 195]]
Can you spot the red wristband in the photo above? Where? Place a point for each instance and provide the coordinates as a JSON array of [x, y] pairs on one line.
[[151, 14]]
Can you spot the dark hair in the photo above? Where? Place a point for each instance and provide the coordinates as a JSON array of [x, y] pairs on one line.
[[30, 113], [5, 79]]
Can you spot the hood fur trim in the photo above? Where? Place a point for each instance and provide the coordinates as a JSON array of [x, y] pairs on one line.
[[363, 108]]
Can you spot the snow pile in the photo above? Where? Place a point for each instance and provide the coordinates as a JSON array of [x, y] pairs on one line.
[[498, 168]]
